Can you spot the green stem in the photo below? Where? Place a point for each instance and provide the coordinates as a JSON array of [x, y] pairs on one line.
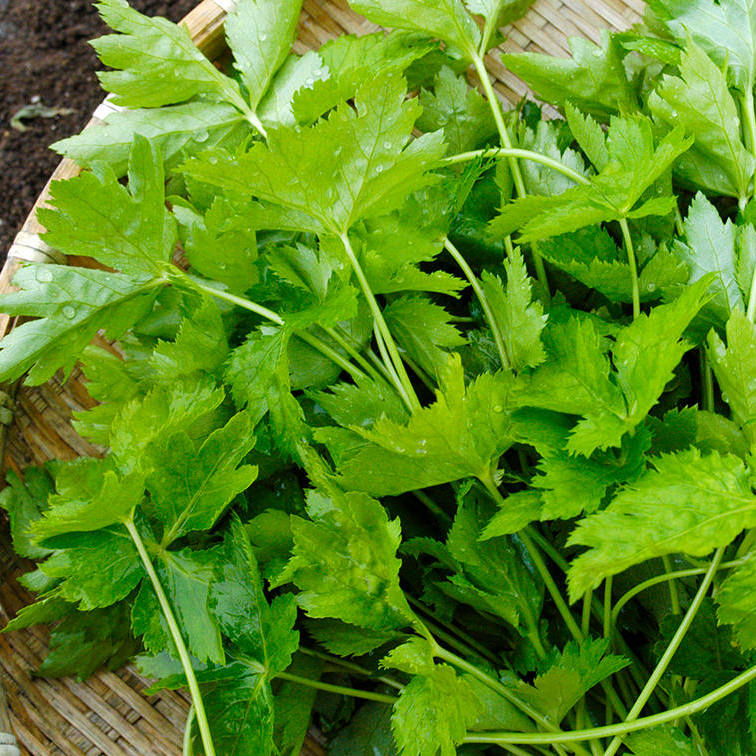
[[274, 317], [353, 692], [496, 686], [674, 598], [749, 118], [405, 385], [470, 644], [644, 723], [674, 644], [483, 299], [751, 312], [174, 630], [495, 105], [353, 352], [434, 508], [351, 667], [633, 266], [651, 582], [515, 152], [188, 745], [585, 620], [707, 382]]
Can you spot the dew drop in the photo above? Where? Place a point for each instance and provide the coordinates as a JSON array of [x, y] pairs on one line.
[[379, 169], [387, 145], [263, 37], [399, 449], [44, 275], [498, 408], [201, 136], [69, 312], [212, 160], [651, 287]]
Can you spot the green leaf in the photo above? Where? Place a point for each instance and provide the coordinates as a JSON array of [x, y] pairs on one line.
[[726, 32], [423, 329], [578, 379], [494, 577], [142, 425], [634, 166], [322, 174], [221, 244], [433, 713], [568, 676], [96, 569], [72, 305], [461, 111], [362, 404], [737, 602], [710, 248], [344, 561], [127, 229], [395, 245], [689, 503], [445, 19], [661, 741], [86, 641], [589, 135], [700, 101], [347, 62], [159, 64], [572, 484], [733, 367], [25, 501], [175, 130], [200, 345], [520, 319], [519, 510], [293, 706], [367, 734], [463, 434], [101, 499], [260, 34], [193, 484], [258, 631], [594, 79]]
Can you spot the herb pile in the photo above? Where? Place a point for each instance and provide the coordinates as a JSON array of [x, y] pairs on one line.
[[431, 422]]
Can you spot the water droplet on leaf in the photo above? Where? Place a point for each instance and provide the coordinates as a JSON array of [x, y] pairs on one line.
[[44, 275], [201, 136], [69, 312]]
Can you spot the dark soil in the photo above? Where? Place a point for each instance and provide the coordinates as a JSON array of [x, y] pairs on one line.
[[45, 58]]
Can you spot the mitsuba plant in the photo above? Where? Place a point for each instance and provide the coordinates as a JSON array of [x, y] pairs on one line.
[[361, 469]]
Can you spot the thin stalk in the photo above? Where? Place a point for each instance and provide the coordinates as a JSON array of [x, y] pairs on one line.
[[751, 312], [679, 225], [585, 620], [674, 644], [351, 667], [352, 351], [633, 266], [471, 644], [679, 712], [434, 508], [341, 689], [516, 152], [651, 582], [188, 744], [380, 323], [174, 630], [514, 166], [540, 565], [497, 687], [749, 119], [483, 299], [674, 598], [707, 382], [274, 317], [607, 618]]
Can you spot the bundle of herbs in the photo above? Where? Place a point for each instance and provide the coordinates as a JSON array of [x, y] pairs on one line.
[[439, 428]]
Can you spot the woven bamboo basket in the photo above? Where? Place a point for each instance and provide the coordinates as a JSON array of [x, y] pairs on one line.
[[108, 714]]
